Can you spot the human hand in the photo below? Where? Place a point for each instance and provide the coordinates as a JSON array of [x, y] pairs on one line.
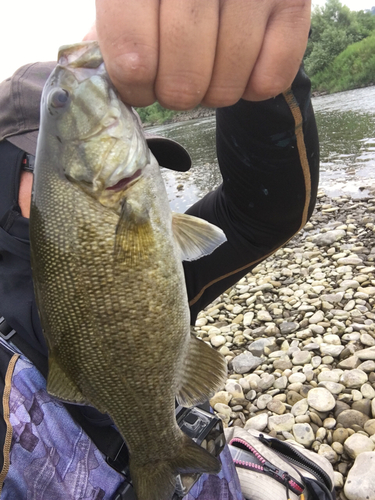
[[211, 52]]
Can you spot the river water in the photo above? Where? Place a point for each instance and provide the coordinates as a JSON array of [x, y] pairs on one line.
[[346, 124]]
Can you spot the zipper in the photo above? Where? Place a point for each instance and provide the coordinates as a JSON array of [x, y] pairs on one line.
[[284, 449], [246, 456]]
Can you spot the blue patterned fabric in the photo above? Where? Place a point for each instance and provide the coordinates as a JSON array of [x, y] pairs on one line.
[[51, 457]]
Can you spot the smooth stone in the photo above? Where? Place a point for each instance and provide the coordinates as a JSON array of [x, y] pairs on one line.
[[349, 363], [218, 340], [234, 388], [257, 347], [281, 383], [293, 397], [348, 418], [354, 378], [365, 354], [328, 238], [367, 391], [351, 260], [340, 435], [321, 399], [303, 434], [317, 317], [221, 397], [266, 381], [281, 423], [288, 327], [329, 423], [263, 401], [369, 427], [297, 377], [366, 339], [357, 444], [331, 350], [300, 408], [259, 422], [276, 406], [316, 361], [301, 358], [338, 479], [246, 362], [367, 366], [332, 387], [329, 376], [338, 448], [327, 452], [264, 316], [282, 364], [248, 318], [363, 406], [332, 339], [359, 484], [223, 409]]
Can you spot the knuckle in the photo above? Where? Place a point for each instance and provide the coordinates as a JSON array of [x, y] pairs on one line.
[[179, 93], [132, 68], [222, 96]]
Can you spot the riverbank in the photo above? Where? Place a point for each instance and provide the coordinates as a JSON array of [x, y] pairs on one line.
[[298, 333]]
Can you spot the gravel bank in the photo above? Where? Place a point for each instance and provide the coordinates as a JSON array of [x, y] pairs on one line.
[[298, 333]]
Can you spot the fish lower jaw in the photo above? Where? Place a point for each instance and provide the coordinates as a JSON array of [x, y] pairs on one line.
[[125, 182]]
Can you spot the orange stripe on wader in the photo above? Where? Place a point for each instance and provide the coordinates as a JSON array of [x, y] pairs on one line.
[[8, 435], [297, 115]]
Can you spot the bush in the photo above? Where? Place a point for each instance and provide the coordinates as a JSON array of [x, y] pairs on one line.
[[353, 68]]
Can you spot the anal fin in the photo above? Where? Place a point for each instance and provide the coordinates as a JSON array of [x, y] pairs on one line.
[[203, 373]]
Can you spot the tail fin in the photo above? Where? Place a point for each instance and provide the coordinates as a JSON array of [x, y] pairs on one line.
[[157, 480]]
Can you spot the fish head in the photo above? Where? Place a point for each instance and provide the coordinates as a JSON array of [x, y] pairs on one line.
[[98, 139]]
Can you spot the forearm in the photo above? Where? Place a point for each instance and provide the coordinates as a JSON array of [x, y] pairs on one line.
[[269, 158]]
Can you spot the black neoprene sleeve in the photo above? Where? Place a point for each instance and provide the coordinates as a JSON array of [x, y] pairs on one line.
[[268, 155]]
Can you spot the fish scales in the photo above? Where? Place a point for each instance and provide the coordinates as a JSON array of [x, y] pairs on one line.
[[108, 276]]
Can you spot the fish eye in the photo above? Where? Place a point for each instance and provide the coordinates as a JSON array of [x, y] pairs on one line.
[[59, 98]]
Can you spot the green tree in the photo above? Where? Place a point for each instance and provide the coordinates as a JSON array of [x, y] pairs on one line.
[[334, 27]]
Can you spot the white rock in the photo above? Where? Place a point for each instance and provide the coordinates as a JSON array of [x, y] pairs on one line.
[[281, 423], [234, 388], [338, 479], [360, 481], [259, 422], [329, 376], [367, 391], [317, 317], [327, 452], [218, 340], [264, 316], [297, 377], [300, 408], [320, 399], [331, 350], [248, 318], [354, 378], [357, 444], [303, 434]]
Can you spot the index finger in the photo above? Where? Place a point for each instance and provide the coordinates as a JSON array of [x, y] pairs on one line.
[[128, 34]]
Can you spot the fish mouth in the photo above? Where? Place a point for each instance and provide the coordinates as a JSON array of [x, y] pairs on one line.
[[124, 183]]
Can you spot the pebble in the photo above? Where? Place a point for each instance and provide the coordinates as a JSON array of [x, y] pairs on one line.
[[360, 481], [357, 444], [298, 333], [321, 399]]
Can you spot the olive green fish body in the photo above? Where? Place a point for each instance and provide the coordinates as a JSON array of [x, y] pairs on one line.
[[106, 260]]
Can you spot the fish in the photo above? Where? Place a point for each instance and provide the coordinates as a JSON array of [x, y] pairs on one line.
[[106, 256]]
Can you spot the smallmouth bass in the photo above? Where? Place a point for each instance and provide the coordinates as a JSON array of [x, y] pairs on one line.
[[106, 256]]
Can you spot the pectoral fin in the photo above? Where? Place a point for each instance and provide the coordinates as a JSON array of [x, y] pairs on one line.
[[196, 237], [61, 386], [203, 373], [134, 236]]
